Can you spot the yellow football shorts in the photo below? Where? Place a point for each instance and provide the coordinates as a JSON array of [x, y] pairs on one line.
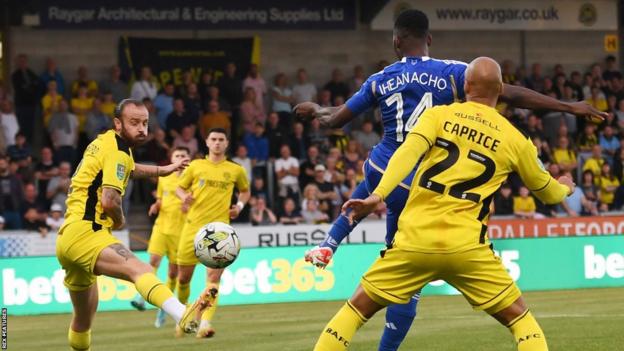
[[77, 249], [478, 274], [162, 244], [186, 246]]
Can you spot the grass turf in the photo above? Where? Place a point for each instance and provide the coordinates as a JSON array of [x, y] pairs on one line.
[[572, 320]]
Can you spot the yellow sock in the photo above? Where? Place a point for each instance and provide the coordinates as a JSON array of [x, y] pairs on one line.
[[171, 283], [209, 313], [527, 333], [339, 331], [184, 290], [152, 289], [79, 341]]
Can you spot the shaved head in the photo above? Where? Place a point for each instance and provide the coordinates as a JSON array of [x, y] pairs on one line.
[[484, 81]]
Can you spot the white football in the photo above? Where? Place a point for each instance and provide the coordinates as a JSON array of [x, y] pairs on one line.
[[216, 245]]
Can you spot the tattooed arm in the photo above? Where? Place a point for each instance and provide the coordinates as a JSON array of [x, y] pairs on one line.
[[111, 204], [146, 171]]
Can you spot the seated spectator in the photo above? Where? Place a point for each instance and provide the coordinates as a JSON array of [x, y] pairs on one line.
[[8, 122], [20, 150], [282, 99], [327, 194], [109, 105], [564, 156], [64, 129], [84, 81], [97, 121], [577, 204], [619, 114], [255, 81], [114, 86], [325, 98], [317, 136], [347, 187], [588, 138], [145, 86], [187, 139], [214, 94], [351, 155], [306, 173], [155, 150], [45, 170], [58, 187], [183, 87], [276, 133], [367, 137], [543, 150], [205, 82], [260, 214], [303, 90], [524, 205], [533, 128], [25, 170], [607, 186], [298, 142], [55, 219], [312, 215], [152, 122], [163, 103], [310, 193], [290, 215], [257, 190], [287, 172], [214, 118], [609, 142], [193, 102], [81, 105], [594, 163], [33, 212], [504, 201], [11, 196], [258, 146], [618, 162], [177, 119], [51, 73], [250, 112], [50, 101], [242, 159], [1, 223], [337, 86]]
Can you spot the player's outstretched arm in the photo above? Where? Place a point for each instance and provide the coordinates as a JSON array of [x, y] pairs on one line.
[[526, 98], [111, 205], [329, 117], [148, 171]]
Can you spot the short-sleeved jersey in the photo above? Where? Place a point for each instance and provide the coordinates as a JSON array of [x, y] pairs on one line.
[[107, 162], [471, 151], [170, 217], [403, 91], [212, 186]]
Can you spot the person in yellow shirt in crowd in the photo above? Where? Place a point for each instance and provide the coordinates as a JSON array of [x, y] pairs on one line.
[[108, 105], [214, 118], [50, 101], [564, 156], [83, 80], [81, 105], [607, 185], [524, 205], [594, 163], [597, 99]]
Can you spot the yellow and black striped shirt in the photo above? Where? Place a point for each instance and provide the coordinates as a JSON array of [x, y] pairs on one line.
[[107, 162]]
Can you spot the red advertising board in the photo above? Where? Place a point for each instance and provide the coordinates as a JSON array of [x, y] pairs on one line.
[[555, 227]]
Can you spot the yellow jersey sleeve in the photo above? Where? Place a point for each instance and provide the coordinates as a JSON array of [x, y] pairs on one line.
[[116, 169], [418, 141], [242, 184], [536, 178], [186, 180]]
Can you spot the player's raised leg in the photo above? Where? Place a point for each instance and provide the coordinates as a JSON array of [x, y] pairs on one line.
[[139, 302], [85, 304], [213, 278]]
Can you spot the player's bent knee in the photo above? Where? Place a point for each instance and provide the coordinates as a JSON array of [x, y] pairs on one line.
[[364, 304], [510, 313]]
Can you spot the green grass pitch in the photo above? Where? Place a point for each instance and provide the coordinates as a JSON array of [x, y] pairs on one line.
[[572, 320]]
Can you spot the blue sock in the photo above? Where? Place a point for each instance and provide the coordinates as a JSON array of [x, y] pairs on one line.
[[399, 319], [341, 227]]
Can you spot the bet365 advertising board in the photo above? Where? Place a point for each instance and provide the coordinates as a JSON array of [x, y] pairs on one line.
[[34, 285]]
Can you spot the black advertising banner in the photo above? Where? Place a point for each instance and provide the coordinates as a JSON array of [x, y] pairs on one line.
[[198, 14], [169, 58]]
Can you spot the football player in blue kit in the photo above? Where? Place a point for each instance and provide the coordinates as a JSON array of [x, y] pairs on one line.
[[403, 90]]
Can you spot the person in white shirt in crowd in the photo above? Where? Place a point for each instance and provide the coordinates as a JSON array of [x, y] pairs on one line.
[[55, 217], [58, 186], [367, 137], [287, 170], [145, 86], [257, 83], [304, 90], [242, 159], [8, 122]]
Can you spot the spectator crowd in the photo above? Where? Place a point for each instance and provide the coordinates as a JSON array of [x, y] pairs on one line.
[[298, 172]]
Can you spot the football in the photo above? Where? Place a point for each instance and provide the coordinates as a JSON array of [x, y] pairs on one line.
[[216, 245]]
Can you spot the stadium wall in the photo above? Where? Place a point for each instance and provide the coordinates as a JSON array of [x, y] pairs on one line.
[[318, 51]]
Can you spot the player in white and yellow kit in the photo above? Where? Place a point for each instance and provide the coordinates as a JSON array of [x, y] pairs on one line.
[[469, 150], [166, 230], [207, 187]]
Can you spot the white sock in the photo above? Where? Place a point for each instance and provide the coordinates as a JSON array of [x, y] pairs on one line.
[[204, 324], [174, 308]]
